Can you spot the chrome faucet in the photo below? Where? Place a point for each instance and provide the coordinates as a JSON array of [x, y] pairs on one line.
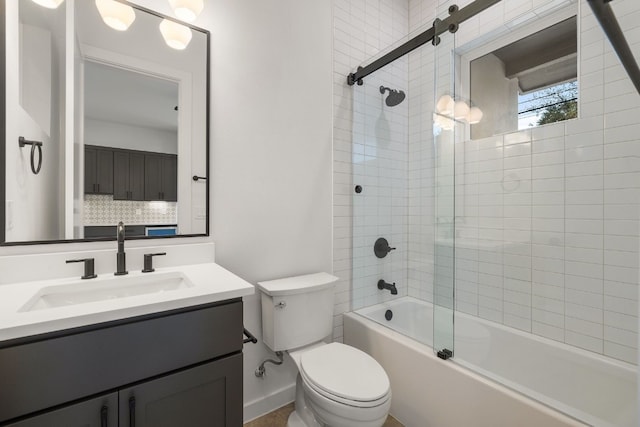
[[121, 258]]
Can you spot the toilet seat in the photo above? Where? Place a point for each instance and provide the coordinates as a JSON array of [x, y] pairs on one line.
[[345, 375]]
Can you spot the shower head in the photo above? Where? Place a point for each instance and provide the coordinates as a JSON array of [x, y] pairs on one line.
[[394, 98]]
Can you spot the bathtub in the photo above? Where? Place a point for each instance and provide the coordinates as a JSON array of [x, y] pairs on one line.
[[499, 376]]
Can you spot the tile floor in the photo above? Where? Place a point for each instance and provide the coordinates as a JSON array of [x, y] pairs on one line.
[[278, 418]]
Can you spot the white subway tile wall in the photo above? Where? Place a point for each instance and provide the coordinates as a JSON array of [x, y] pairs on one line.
[[547, 220]]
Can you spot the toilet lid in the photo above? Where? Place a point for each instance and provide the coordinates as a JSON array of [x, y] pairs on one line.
[[345, 372]]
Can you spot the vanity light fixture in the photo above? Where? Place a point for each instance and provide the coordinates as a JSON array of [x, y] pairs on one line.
[[116, 15], [475, 115], [445, 105], [175, 35], [49, 4], [460, 111], [443, 122], [187, 10]]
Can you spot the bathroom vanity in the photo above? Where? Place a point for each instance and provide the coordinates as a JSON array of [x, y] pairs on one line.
[[171, 357]]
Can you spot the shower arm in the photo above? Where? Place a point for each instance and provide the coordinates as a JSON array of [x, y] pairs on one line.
[[451, 23]]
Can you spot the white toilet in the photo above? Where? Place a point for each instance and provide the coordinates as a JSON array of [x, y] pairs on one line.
[[337, 385]]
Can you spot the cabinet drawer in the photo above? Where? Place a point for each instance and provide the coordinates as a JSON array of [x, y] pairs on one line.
[[99, 412], [41, 374]]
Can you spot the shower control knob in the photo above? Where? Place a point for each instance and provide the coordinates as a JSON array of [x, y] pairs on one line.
[[381, 248]]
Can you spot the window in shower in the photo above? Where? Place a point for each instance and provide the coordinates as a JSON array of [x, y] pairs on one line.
[[549, 105], [525, 83]]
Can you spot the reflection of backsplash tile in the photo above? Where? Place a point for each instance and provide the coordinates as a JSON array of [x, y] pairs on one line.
[[103, 210]]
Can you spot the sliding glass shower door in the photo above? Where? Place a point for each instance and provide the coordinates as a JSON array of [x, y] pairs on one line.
[[444, 133]]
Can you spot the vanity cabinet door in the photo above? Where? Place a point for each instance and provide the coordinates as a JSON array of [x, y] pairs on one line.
[[208, 395], [170, 178], [99, 412], [136, 176], [98, 170], [152, 177], [128, 175], [161, 177]]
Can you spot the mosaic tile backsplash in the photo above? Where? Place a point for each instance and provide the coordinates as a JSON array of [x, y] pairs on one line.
[[101, 209]]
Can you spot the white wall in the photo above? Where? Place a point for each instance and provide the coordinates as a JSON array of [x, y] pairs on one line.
[[121, 135], [271, 133], [34, 208]]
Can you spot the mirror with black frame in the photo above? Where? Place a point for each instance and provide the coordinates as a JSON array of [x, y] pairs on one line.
[[110, 103]]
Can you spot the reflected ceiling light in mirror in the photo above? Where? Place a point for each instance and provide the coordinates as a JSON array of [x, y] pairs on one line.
[[475, 115], [460, 110], [445, 105], [175, 35], [443, 122], [49, 4], [116, 15], [187, 10]]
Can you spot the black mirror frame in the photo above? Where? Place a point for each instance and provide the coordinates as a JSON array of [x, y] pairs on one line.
[[3, 133]]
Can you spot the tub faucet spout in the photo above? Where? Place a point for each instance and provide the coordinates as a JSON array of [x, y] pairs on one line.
[[388, 286]]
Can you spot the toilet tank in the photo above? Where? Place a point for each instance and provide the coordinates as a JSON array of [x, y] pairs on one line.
[[297, 311]]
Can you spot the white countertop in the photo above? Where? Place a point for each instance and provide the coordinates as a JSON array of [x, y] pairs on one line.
[[211, 283]]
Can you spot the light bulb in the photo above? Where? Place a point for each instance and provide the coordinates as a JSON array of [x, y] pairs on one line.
[[187, 10], [175, 35], [445, 105], [460, 110], [49, 4], [116, 15], [475, 115]]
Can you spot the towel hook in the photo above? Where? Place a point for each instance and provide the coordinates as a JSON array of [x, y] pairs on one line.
[[34, 144]]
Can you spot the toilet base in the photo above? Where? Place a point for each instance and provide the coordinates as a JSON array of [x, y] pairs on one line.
[[295, 420], [302, 415]]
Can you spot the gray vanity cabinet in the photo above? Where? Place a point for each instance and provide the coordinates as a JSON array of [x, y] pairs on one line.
[[204, 396], [183, 368], [99, 412]]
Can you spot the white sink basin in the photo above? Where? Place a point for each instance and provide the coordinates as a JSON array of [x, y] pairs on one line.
[[112, 288]]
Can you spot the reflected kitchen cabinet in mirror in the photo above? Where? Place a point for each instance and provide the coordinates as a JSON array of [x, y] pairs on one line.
[[121, 111]]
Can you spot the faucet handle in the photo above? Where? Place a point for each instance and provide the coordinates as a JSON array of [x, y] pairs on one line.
[[89, 267], [148, 262]]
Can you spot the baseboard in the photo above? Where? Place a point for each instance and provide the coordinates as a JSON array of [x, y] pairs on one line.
[[275, 400]]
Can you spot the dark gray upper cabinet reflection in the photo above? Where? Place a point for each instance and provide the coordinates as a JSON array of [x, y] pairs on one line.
[[98, 108]]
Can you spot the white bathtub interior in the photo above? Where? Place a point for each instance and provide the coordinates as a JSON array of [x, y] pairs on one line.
[[591, 388]]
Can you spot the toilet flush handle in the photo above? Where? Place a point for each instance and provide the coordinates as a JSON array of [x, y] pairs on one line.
[[281, 305]]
